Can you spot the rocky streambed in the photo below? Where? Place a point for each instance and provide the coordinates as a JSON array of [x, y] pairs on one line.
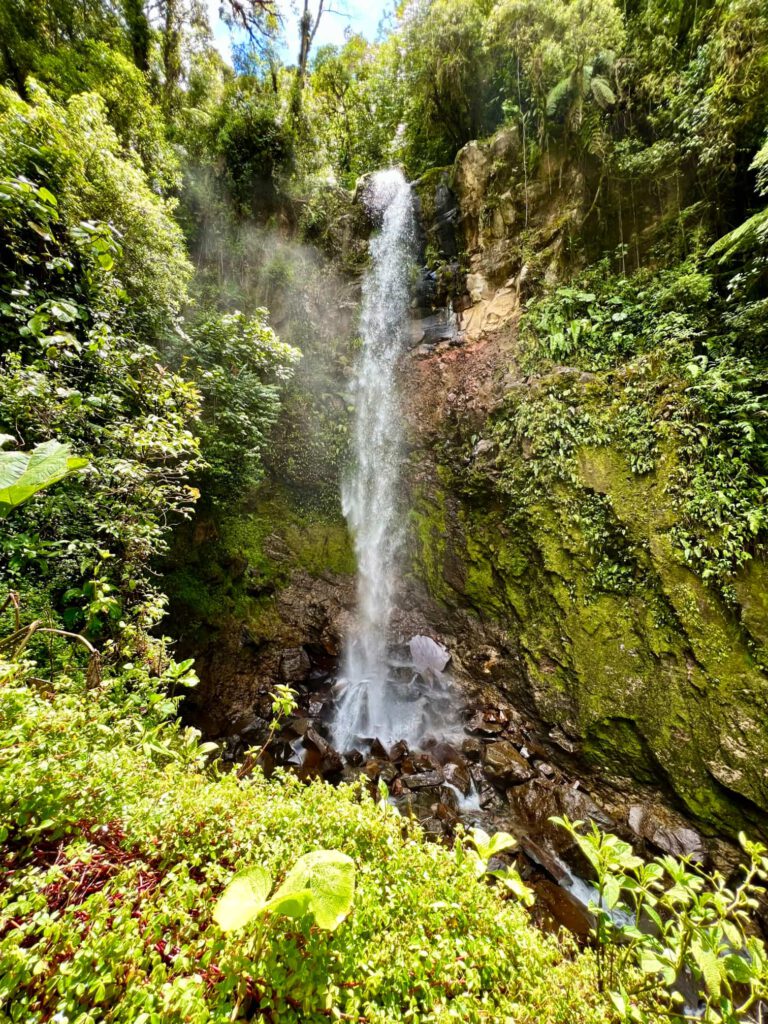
[[492, 768]]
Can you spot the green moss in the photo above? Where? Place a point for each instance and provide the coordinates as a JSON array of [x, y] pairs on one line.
[[667, 661], [231, 567], [428, 522]]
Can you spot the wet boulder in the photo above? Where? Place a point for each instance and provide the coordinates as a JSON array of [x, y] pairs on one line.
[[490, 722], [399, 752], [666, 831], [378, 769], [425, 780], [472, 748], [458, 775], [379, 750], [503, 762], [328, 761]]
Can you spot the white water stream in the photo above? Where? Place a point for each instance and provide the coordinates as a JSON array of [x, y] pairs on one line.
[[369, 705]]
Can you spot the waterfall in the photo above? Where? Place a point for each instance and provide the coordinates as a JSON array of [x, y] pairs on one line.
[[371, 493]]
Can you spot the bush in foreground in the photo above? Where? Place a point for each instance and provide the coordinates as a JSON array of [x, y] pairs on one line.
[[117, 841]]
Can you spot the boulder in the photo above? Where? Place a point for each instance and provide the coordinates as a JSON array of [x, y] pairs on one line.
[[663, 828], [458, 775], [487, 723], [425, 780], [503, 762], [472, 748], [329, 761], [399, 752]]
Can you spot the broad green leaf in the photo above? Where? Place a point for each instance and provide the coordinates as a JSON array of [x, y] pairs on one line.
[[500, 841], [650, 963], [738, 968], [620, 1002], [611, 891], [244, 899], [23, 474], [290, 904], [328, 877], [710, 967]]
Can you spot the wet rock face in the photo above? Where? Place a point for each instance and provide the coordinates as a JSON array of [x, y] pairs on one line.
[[295, 666], [662, 687], [238, 666]]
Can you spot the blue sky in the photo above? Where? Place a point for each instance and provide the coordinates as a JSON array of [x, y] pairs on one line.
[[360, 15]]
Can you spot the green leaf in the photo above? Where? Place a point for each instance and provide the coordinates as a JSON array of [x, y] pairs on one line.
[[23, 474], [650, 963], [603, 93], [738, 968], [709, 965], [611, 891], [559, 95], [325, 879], [244, 899], [500, 841]]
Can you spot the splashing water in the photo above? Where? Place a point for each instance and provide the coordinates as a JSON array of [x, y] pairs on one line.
[[371, 492]]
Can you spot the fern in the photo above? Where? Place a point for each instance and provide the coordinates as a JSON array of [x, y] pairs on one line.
[[751, 234], [602, 92]]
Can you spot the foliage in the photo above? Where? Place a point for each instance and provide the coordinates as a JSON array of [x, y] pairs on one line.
[[22, 475], [118, 842], [348, 99], [71, 367], [284, 704], [240, 366], [94, 67], [250, 136], [481, 848], [320, 884], [672, 920], [75, 152], [691, 383], [445, 76]]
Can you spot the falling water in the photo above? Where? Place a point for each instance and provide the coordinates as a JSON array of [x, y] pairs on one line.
[[371, 492]]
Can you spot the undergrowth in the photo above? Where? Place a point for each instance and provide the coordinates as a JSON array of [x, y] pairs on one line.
[[655, 367], [118, 839]]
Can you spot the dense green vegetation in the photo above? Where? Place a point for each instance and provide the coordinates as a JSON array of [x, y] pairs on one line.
[[157, 209]]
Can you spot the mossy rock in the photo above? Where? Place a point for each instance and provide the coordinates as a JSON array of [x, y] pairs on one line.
[[662, 684]]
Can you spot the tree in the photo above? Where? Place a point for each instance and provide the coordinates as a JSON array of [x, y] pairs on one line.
[[445, 77], [353, 124], [240, 366], [139, 32], [259, 18], [33, 29]]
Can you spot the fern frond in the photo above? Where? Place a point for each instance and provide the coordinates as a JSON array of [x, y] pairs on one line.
[[749, 235]]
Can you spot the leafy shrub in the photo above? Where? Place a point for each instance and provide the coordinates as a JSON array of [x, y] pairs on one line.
[[675, 922], [75, 150], [118, 841], [665, 368], [240, 366], [71, 368]]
